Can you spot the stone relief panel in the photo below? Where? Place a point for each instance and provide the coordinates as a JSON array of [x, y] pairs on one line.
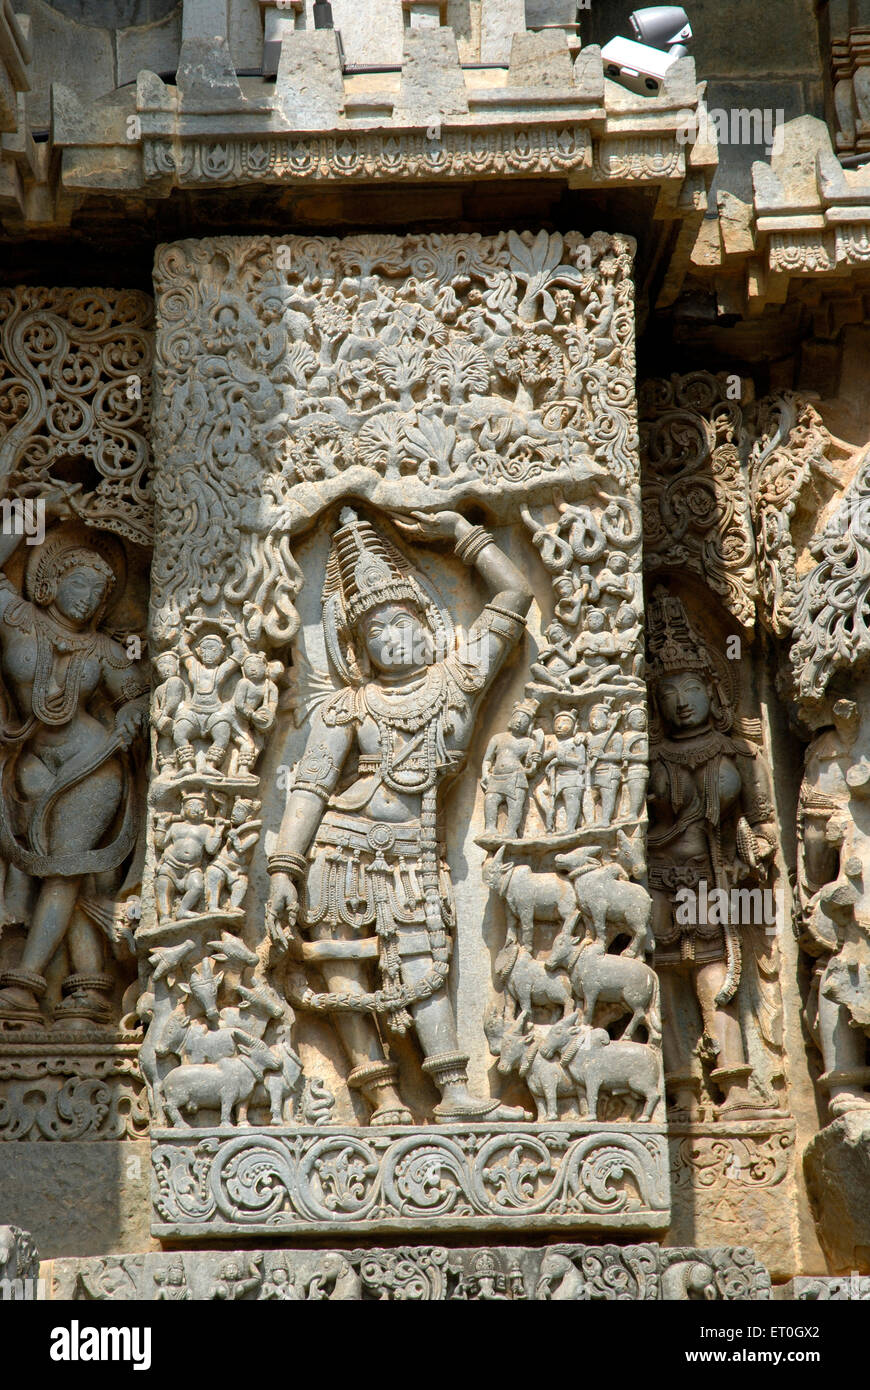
[[438, 739], [420, 1273], [730, 487], [75, 535]]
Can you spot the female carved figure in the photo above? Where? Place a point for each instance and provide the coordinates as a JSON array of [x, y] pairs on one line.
[[363, 869], [710, 829], [66, 809]]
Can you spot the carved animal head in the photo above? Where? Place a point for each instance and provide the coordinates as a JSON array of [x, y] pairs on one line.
[[562, 951], [560, 1034], [173, 1034], [515, 1044], [494, 873], [204, 986], [584, 857]]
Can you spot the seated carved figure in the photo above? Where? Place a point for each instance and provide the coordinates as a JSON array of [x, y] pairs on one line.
[[67, 813]]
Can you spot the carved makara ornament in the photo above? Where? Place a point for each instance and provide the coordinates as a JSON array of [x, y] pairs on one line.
[[711, 832], [363, 869]]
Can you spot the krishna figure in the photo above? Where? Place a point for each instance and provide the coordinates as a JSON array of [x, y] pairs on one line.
[[362, 868]]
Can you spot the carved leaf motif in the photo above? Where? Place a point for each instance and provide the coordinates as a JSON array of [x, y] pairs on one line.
[[540, 267]]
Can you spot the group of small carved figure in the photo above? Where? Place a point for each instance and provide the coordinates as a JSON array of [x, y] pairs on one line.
[[199, 723], [575, 778], [199, 1055], [203, 864], [334, 1280], [596, 906]]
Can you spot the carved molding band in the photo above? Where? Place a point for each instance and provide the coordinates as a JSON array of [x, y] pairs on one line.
[[310, 1180]]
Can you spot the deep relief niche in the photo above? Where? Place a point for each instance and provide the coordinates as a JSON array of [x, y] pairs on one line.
[[75, 534], [397, 819]]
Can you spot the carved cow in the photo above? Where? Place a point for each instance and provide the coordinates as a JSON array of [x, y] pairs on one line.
[[226, 1085], [529, 897], [518, 1048], [597, 1064], [527, 982], [595, 975], [608, 901]]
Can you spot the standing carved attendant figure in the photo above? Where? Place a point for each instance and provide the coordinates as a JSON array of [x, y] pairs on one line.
[[710, 829], [67, 809], [363, 869]]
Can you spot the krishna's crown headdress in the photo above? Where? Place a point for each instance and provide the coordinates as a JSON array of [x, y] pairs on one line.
[[364, 570]]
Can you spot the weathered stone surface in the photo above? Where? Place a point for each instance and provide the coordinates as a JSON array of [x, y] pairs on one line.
[[540, 60], [561, 1273], [77, 1198], [500, 20], [434, 424], [837, 1167], [309, 89]]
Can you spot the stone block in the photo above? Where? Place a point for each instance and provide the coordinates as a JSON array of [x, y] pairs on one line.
[[433, 87], [500, 20], [75, 55], [154, 47], [309, 90], [837, 1169], [540, 60], [372, 33], [77, 1198]]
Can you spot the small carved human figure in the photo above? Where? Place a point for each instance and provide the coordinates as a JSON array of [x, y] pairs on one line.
[[711, 825], [255, 700], [566, 768], [635, 753], [228, 871], [340, 853], [508, 763], [68, 817], [279, 1286], [182, 845], [205, 714], [165, 703], [172, 1282], [557, 664], [232, 1283], [598, 652], [616, 578], [604, 754]]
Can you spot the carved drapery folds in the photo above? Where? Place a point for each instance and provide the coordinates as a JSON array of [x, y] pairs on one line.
[[373, 453], [76, 522]]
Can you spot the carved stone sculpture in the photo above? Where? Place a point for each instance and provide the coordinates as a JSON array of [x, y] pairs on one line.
[[68, 815], [710, 828], [356, 659]]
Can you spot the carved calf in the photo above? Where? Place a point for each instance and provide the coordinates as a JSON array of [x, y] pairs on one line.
[[527, 983], [596, 1064], [519, 1049], [595, 976], [608, 901], [529, 897]]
